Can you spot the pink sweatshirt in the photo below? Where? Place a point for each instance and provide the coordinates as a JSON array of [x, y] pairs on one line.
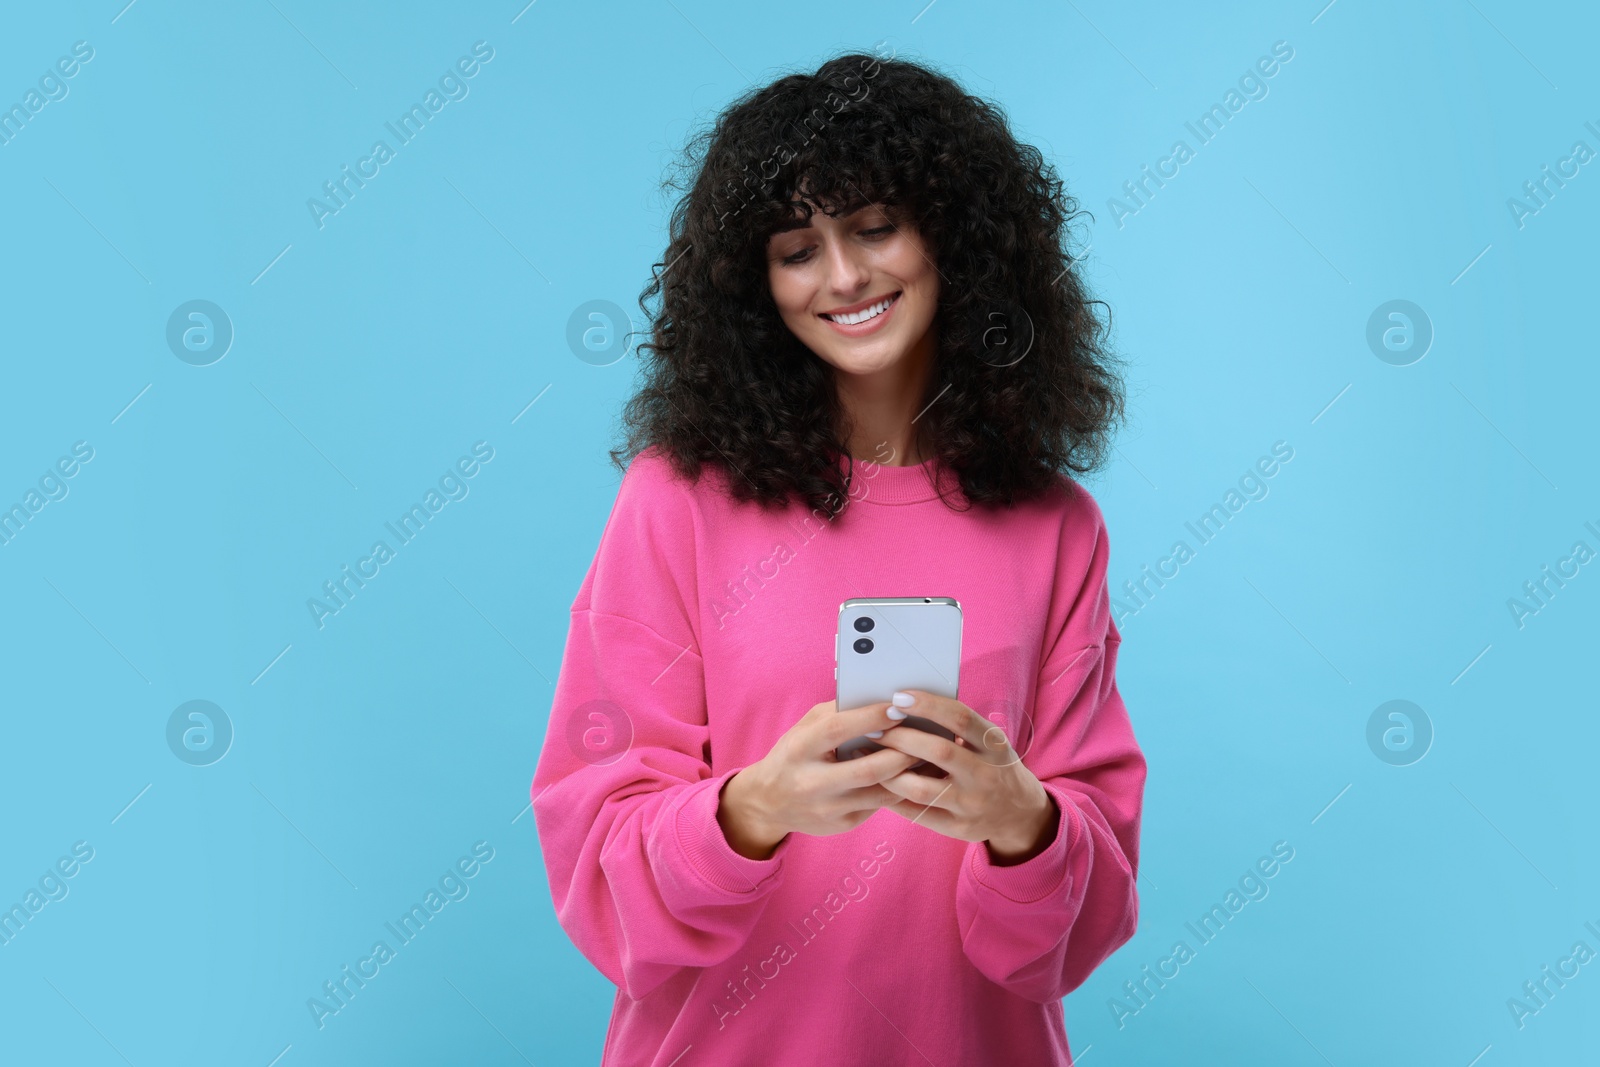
[[703, 630]]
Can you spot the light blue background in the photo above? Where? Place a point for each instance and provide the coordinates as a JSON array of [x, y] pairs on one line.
[[369, 354]]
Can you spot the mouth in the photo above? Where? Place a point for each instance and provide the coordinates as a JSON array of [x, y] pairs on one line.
[[864, 318]]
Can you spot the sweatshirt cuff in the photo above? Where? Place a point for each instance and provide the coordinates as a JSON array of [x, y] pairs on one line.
[[701, 838], [1042, 875]]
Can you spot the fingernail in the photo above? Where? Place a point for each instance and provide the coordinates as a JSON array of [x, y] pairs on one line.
[[874, 733], [895, 713], [902, 699]]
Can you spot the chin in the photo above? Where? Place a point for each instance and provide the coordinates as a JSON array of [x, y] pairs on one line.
[[863, 362], [864, 356]]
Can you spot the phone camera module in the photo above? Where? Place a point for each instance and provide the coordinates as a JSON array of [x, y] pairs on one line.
[[864, 623], [863, 644]]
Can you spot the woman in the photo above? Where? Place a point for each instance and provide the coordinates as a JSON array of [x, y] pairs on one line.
[[871, 363]]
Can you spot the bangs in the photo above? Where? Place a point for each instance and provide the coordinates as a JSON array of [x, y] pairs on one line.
[[811, 148]]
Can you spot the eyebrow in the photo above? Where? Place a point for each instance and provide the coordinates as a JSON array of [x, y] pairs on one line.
[[805, 223]]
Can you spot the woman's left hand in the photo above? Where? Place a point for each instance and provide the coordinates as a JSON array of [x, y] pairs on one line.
[[988, 794]]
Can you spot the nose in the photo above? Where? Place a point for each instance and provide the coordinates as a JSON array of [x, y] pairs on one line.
[[848, 271]]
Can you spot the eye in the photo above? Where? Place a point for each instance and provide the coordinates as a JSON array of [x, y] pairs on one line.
[[795, 258]]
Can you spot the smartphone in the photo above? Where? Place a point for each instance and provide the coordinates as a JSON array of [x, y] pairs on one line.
[[890, 643]]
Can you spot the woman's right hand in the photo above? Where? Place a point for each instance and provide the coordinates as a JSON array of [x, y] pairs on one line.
[[800, 784]]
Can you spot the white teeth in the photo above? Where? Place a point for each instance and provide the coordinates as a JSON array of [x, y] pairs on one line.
[[864, 314]]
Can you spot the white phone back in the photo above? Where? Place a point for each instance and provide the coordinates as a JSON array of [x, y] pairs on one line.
[[916, 644]]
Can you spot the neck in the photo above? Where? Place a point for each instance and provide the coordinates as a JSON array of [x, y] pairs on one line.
[[880, 407]]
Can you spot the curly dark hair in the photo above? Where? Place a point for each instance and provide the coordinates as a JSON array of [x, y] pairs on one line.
[[724, 381]]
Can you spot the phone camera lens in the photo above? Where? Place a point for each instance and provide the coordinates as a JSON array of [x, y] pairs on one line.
[[863, 644], [864, 623]]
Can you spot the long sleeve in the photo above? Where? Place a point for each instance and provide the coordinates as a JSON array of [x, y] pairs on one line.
[[642, 878], [1040, 927]]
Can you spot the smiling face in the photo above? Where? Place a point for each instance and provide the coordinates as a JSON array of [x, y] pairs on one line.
[[859, 290]]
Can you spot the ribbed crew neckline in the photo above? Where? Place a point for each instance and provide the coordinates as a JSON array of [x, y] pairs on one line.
[[878, 483]]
